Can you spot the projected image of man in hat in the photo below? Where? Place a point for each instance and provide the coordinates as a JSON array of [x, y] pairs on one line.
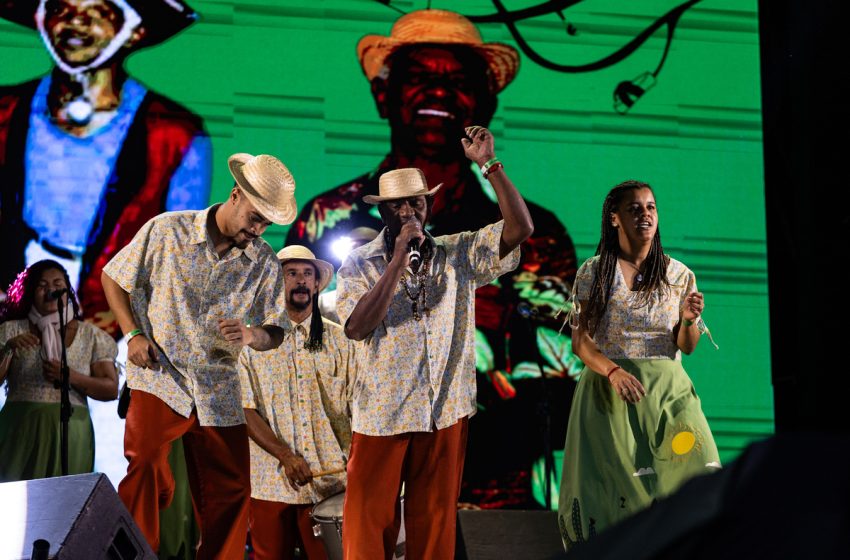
[[88, 154]]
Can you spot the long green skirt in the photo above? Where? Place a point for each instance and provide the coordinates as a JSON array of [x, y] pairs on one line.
[[619, 457], [30, 438]]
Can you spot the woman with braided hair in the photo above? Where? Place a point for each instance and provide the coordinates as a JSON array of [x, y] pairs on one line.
[[636, 430]]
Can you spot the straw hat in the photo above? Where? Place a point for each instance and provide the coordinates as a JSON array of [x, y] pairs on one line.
[[439, 27], [160, 18], [401, 183], [267, 184], [302, 253]]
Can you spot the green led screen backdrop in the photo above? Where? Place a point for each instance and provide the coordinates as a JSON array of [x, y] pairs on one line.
[[282, 77]]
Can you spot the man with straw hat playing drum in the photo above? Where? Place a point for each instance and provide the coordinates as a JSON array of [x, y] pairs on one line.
[[296, 407], [189, 291], [417, 323]]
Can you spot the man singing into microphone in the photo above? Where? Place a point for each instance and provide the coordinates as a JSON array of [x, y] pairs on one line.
[[417, 322]]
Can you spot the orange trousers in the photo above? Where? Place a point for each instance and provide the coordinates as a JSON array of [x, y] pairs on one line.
[[431, 466], [277, 527], [218, 463]]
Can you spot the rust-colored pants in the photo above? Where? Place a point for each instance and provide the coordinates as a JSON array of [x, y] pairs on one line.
[[431, 466], [277, 527], [218, 463]]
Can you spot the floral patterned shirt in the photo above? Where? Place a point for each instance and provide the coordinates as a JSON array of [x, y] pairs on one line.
[[303, 396], [179, 289], [421, 373], [25, 378], [629, 331]]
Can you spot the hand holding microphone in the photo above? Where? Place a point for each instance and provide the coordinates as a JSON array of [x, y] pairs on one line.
[[410, 237]]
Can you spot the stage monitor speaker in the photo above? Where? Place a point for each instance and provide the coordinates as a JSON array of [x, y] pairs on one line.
[[80, 516], [510, 534]]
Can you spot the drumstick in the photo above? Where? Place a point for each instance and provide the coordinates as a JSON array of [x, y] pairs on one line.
[[328, 472]]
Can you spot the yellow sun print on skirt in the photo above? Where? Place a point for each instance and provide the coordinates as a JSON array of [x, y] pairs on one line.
[[683, 442]]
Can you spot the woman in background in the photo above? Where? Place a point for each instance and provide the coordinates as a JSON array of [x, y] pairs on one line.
[[636, 430], [31, 353]]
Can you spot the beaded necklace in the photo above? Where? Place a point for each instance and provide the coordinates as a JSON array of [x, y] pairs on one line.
[[417, 290]]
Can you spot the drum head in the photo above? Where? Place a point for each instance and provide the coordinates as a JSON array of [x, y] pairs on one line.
[[329, 509]]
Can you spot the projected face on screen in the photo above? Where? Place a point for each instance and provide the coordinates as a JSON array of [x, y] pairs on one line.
[[433, 93], [88, 154], [79, 30]]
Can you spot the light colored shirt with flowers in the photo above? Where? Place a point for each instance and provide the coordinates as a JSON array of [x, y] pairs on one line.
[[179, 289], [419, 375], [629, 330], [303, 396]]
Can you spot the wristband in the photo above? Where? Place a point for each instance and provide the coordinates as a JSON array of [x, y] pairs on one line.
[[132, 333], [612, 370], [496, 166], [488, 165], [687, 323]]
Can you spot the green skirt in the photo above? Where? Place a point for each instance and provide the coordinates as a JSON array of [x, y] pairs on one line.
[[30, 441], [620, 457]]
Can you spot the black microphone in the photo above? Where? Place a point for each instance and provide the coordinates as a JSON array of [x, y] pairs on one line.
[[414, 258], [56, 294]]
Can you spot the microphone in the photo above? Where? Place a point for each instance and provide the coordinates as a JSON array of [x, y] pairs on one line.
[[56, 294], [414, 258]]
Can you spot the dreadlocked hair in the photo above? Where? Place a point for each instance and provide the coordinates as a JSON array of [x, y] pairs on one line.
[[317, 327], [20, 294], [608, 250]]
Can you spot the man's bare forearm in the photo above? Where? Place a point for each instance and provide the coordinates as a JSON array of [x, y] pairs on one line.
[[518, 224], [267, 337], [373, 306], [262, 434], [119, 303]]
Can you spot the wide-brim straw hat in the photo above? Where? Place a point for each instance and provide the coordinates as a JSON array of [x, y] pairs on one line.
[[401, 183], [160, 18], [302, 253], [267, 184], [437, 27]]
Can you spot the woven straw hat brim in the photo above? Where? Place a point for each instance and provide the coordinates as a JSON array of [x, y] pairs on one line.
[[282, 213], [374, 199], [437, 27], [326, 269]]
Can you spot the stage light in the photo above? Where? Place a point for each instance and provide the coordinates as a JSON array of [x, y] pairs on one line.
[[341, 247], [628, 92]]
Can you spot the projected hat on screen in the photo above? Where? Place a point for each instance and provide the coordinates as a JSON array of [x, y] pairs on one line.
[[437, 27], [160, 18]]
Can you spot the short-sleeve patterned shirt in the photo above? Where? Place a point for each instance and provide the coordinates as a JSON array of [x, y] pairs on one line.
[[628, 330], [420, 374], [25, 377], [303, 396], [179, 289]]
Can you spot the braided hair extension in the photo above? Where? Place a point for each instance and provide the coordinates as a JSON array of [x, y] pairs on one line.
[[317, 327], [608, 250]]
